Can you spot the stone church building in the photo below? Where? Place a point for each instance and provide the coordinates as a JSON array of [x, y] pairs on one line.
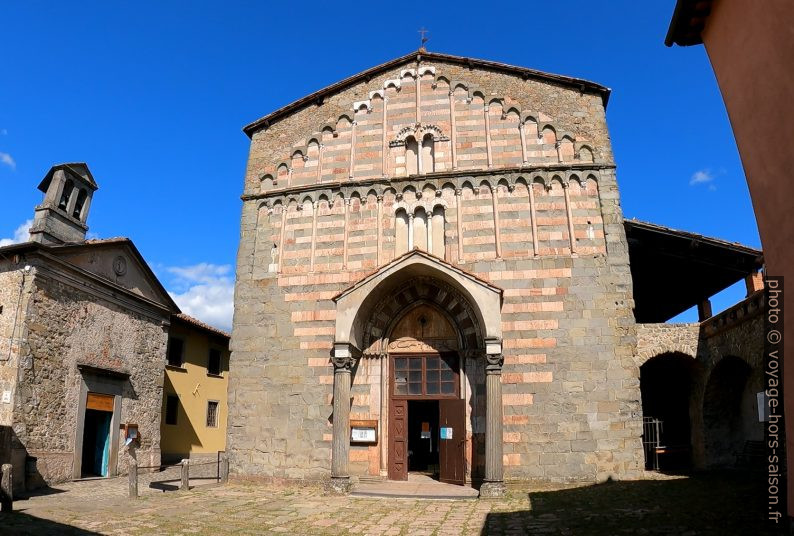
[[434, 275]]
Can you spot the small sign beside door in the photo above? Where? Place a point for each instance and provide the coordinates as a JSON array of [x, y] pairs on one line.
[[446, 432], [364, 431]]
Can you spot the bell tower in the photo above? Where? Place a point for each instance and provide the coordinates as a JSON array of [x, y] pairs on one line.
[[61, 217]]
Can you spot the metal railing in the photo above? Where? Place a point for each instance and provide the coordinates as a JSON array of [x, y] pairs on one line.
[[222, 475], [651, 441]]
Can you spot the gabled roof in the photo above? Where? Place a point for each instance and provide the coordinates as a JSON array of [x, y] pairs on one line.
[[196, 323], [54, 250], [318, 96], [78, 170], [150, 275]]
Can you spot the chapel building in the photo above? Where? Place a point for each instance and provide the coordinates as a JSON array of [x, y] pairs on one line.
[[434, 276]]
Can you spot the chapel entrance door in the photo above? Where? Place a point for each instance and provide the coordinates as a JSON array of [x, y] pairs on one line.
[[424, 392], [452, 441], [398, 439], [96, 435]]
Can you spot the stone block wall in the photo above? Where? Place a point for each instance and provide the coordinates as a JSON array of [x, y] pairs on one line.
[[571, 388], [67, 327], [14, 293]]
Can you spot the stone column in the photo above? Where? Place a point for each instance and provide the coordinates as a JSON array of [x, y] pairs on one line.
[[346, 207], [488, 134], [380, 228], [320, 147], [384, 143], [569, 212], [418, 97], [523, 134], [459, 217], [314, 234], [493, 485], [453, 146], [420, 147], [533, 218], [410, 231], [429, 230], [352, 148], [343, 365], [496, 227], [282, 231]]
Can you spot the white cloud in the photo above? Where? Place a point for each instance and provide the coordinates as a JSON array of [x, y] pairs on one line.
[[20, 235], [702, 176], [6, 159], [205, 291]]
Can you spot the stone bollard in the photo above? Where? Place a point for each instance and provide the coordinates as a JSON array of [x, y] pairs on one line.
[[133, 479], [185, 475], [224, 469], [6, 487]]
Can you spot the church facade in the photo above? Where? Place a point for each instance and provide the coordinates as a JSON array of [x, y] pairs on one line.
[[433, 275]]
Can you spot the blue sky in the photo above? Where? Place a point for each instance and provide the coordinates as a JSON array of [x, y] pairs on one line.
[[153, 96]]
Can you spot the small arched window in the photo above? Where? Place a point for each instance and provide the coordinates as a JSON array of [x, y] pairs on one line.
[[401, 232], [68, 188], [437, 233], [428, 154], [420, 229], [411, 156]]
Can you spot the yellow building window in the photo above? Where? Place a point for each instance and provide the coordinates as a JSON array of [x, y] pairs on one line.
[[212, 414], [214, 362]]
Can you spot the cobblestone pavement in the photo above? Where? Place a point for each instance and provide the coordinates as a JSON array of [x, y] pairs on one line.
[[710, 504]]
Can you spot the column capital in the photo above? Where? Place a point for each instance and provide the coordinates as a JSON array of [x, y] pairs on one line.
[[458, 191], [342, 357], [494, 363], [379, 198]]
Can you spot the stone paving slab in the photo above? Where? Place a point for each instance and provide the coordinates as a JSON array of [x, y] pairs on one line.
[[416, 487], [702, 505]]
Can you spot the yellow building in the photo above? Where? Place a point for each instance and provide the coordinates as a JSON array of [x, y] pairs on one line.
[[194, 392]]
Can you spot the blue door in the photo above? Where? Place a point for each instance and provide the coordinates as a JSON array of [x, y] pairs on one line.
[[96, 442], [102, 448]]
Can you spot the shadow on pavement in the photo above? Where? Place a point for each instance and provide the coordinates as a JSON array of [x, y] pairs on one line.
[[175, 483], [18, 522], [723, 503], [38, 492]]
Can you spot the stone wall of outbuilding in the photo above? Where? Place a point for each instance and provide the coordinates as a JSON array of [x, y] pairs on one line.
[[67, 327]]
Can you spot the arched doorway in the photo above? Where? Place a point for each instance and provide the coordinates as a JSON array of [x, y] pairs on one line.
[[729, 411], [367, 330], [427, 431], [666, 385]]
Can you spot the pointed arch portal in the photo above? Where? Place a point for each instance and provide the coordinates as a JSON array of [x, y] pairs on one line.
[[423, 318]]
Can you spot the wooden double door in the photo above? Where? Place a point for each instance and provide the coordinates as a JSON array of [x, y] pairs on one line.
[[426, 417]]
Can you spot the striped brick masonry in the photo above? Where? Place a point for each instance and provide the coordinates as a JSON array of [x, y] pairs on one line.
[[505, 177]]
